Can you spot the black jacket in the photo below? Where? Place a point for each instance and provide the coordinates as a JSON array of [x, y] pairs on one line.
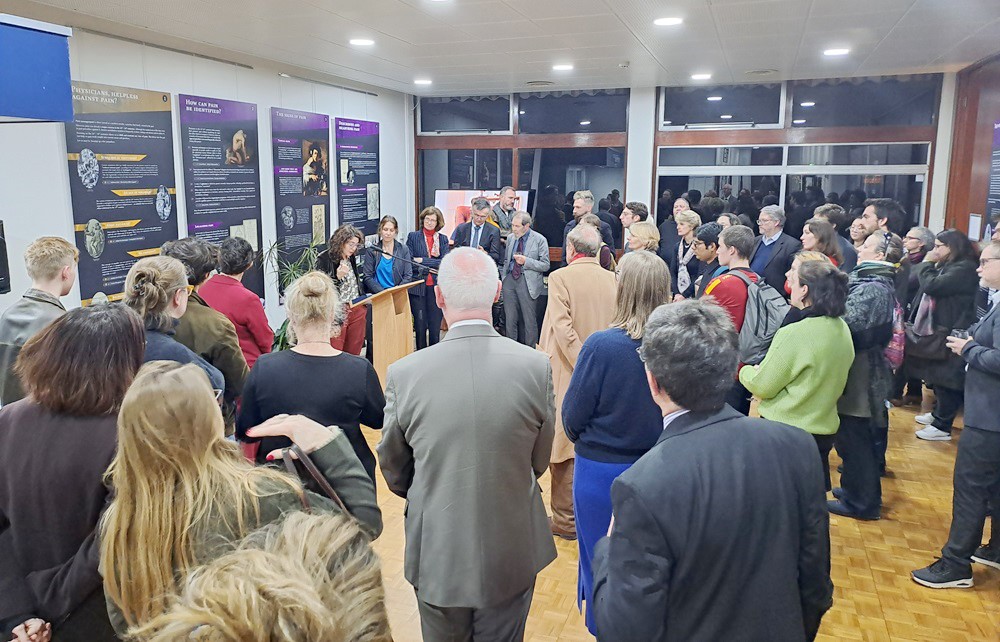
[[324, 264], [615, 224], [720, 532], [489, 239], [982, 380], [780, 261], [402, 271]]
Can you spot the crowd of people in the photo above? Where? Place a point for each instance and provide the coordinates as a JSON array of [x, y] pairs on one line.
[[167, 416]]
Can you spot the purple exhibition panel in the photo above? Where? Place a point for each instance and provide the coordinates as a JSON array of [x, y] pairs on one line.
[[222, 173], [993, 199], [358, 173], [300, 148], [121, 175]]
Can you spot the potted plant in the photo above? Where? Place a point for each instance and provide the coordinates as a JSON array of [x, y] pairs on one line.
[[286, 270]]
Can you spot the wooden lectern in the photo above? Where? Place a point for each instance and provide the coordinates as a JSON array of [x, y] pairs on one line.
[[392, 326]]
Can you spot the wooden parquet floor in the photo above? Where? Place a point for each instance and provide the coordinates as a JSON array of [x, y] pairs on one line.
[[874, 600]]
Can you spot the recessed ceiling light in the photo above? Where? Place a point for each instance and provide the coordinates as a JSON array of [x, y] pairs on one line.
[[799, 121], [422, 81], [715, 98], [521, 111], [562, 67], [701, 76], [808, 103], [726, 116], [836, 52], [668, 22], [361, 42], [584, 122], [284, 75]]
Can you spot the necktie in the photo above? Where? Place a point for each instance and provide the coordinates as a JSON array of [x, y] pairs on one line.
[[475, 236], [518, 249]]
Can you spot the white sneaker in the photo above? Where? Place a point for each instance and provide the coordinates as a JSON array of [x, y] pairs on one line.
[[930, 433], [925, 419]]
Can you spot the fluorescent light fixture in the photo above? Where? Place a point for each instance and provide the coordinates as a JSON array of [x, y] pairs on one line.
[[808, 103], [718, 125], [799, 121], [701, 76], [715, 98], [668, 122], [668, 22], [562, 67], [422, 81], [361, 42], [284, 75], [520, 111], [584, 122], [726, 116], [836, 52]]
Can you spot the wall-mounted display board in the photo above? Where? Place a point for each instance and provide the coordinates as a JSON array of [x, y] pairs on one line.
[[357, 173]]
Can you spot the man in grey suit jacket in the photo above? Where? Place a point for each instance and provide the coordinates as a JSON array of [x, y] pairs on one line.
[[467, 462], [525, 262]]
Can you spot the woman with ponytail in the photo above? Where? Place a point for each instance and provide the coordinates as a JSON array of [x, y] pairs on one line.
[[157, 288]]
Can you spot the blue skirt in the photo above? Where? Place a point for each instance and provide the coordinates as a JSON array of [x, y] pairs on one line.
[[592, 509]]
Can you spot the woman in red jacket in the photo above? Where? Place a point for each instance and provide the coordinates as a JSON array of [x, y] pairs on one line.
[[226, 293]]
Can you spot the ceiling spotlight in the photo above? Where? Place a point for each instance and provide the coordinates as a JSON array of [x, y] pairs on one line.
[[715, 98], [562, 67], [668, 22], [808, 103], [701, 76], [584, 122], [799, 121], [422, 81], [521, 111], [361, 42], [726, 116], [836, 52]]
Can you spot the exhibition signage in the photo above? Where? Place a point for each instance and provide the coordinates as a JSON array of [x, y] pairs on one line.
[[993, 200], [222, 174], [357, 173], [121, 175], [300, 149]]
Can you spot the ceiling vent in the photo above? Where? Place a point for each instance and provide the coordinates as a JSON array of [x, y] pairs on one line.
[[539, 83], [761, 72]]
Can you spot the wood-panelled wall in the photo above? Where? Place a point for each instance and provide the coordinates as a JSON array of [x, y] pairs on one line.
[[978, 107]]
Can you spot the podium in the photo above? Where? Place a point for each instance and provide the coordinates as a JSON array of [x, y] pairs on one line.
[[392, 326]]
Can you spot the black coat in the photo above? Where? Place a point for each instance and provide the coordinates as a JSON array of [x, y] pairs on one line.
[[780, 261], [982, 380], [489, 239], [615, 223], [721, 532]]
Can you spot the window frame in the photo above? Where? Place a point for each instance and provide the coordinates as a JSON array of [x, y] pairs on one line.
[[663, 127], [467, 132]]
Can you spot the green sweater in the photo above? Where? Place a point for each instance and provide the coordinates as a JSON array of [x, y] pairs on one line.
[[804, 374]]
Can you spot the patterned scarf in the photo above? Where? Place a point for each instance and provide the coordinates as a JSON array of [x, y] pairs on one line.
[[683, 258]]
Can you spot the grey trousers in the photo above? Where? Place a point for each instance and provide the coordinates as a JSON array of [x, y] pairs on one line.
[[518, 305], [501, 623]]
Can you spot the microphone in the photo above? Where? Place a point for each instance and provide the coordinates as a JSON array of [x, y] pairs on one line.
[[399, 258]]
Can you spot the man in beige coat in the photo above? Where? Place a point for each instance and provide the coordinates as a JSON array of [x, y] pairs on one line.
[[581, 302], [467, 460]]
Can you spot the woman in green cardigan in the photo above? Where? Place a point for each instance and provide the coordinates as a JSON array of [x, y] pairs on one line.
[[805, 370]]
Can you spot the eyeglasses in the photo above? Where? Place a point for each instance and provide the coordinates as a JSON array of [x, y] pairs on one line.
[[983, 262]]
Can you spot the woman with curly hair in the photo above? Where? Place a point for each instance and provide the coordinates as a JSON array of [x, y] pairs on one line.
[[345, 265]]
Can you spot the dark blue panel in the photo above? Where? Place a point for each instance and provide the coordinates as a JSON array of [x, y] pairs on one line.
[[34, 75]]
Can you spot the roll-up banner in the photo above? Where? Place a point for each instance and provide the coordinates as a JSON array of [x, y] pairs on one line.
[[357, 173]]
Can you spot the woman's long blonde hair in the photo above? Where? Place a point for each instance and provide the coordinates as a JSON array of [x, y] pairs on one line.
[[306, 578], [174, 473], [643, 286]]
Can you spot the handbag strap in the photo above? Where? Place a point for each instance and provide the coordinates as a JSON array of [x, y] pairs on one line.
[[313, 471]]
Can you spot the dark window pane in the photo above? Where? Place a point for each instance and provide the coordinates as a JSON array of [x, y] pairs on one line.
[[755, 104], [893, 154], [906, 189], [868, 103], [602, 111], [525, 168], [486, 169], [465, 114], [681, 156]]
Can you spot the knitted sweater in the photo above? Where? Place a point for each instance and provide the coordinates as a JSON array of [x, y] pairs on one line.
[[804, 374]]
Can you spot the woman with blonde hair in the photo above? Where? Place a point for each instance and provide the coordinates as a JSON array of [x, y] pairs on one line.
[[308, 577], [184, 494], [643, 236], [314, 379], [684, 265], [608, 412], [157, 288]]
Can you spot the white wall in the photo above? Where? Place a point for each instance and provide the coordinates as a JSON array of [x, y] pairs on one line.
[[942, 152], [34, 183], [639, 172]]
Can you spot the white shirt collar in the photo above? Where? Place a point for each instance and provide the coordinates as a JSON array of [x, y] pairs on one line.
[[459, 324], [768, 240], [669, 419]]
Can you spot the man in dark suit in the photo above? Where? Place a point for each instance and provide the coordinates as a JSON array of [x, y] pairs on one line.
[[583, 204], [797, 214], [720, 531], [773, 250], [604, 213], [477, 233]]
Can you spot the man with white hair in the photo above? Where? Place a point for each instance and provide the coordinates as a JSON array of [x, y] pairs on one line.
[[525, 263], [467, 463], [581, 302]]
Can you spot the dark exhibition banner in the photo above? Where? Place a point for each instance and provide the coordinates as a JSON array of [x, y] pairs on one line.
[[222, 173], [121, 175], [993, 200], [358, 174], [300, 149]]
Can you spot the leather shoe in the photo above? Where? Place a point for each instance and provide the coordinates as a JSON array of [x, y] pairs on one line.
[[561, 533], [837, 507]]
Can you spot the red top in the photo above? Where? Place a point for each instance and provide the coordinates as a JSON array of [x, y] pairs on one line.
[[243, 308], [429, 240], [731, 293]]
